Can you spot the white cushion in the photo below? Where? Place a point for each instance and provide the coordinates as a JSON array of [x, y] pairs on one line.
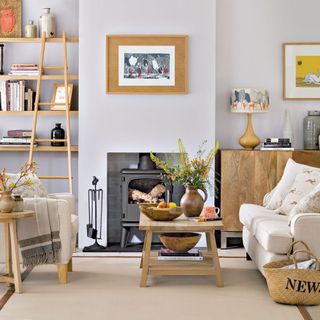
[[269, 228], [36, 190], [303, 184], [283, 187], [310, 203]]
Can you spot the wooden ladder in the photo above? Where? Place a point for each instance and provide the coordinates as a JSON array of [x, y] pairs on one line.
[[66, 104]]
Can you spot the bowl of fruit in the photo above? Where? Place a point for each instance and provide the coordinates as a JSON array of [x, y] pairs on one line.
[[161, 211]]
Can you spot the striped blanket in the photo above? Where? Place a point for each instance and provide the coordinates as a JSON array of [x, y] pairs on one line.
[[38, 235]]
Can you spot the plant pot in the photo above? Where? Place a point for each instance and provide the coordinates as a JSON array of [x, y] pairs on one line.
[[6, 202], [192, 202]]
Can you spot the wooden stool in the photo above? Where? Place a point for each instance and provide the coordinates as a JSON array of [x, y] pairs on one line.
[[13, 275]]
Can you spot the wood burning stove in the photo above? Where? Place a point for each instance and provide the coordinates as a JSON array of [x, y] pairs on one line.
[[138, 186]]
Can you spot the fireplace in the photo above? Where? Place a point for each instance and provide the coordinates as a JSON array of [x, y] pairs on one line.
[[130, 177]]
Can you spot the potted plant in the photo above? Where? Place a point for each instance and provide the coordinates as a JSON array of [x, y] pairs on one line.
[[7, 185], [192, 173]]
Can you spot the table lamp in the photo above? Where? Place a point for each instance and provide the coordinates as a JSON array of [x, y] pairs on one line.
[[249, 101]]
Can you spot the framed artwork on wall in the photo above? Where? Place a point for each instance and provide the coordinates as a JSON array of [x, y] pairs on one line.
[[10, 18], [301, 71], [59, 95], [147, 64]]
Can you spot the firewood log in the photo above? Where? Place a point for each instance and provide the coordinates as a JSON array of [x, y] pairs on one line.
[[157, 191]]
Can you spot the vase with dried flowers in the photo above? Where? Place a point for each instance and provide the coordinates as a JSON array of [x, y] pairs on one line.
[[7, 186], [192, 173]]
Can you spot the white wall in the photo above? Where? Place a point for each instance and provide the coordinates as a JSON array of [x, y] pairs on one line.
[[250, 34], [67, 15], [137, 123]]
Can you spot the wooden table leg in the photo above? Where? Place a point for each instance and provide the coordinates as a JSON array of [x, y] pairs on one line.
[[144, 246], [208, 241], [15, 256], [146, 258], [215, 258], [8, 251]]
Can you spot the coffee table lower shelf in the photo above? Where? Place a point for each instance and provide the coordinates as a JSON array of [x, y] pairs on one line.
[[203, 267]]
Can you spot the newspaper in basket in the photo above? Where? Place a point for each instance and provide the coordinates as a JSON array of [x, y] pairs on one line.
[[293, 286]]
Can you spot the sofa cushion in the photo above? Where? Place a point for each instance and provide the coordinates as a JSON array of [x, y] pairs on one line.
[[283, 187], [303, 184], [269, 228]]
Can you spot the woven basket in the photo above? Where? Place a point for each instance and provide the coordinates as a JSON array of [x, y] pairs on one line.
[[293, 286]]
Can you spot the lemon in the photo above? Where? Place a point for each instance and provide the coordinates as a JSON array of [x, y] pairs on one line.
[[172, 205]]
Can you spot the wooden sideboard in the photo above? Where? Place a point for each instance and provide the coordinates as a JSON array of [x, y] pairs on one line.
[[246, 176]]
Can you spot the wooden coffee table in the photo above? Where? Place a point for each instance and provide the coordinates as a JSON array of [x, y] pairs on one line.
[[150, 264], [12, 275]]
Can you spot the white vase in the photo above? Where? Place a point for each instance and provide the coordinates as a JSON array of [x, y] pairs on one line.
[[287, 131], [47, 24]]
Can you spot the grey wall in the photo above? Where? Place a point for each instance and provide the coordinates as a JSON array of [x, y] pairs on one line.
[[139, 123], [67, 15], [250, 34]]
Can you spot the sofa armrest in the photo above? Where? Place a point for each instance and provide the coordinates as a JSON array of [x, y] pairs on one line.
[[69, 197], [306, 227]]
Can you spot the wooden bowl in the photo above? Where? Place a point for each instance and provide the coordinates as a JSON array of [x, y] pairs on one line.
[[159, 214], [179, 242]]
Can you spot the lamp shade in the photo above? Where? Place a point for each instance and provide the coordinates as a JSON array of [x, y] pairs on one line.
[[249, 100]]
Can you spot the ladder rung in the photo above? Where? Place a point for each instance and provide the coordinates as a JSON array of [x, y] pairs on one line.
[[50, 140], [54, 177], [52, 104], [54, 68]]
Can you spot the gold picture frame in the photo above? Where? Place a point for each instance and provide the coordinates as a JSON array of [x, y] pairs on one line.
[[147, 64], [58, 96], [10, 18], [301, 71]]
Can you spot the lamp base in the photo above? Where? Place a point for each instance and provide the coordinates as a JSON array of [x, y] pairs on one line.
[[249, 140]]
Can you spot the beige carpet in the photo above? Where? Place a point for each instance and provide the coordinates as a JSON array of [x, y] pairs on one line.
[[108, 288]]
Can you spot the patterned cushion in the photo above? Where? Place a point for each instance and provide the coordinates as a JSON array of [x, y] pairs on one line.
[[310, 203], [37, 189], [303, 184], [283, 187]]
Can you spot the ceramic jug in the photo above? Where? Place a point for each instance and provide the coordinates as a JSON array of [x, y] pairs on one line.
[[47, 24], [192, 202]]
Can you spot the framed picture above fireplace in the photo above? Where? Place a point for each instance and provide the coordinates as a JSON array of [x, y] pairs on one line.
[[147, 64]]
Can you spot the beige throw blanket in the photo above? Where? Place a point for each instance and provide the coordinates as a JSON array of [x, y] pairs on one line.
[[38, 236]]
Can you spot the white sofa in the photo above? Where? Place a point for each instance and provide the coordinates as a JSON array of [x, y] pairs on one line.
[[267, 235], [68, 231]]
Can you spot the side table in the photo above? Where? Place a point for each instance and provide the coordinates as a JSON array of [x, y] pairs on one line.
[[151, 265], [13, 274]]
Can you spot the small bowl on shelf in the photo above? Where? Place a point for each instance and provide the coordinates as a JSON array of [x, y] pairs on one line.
[[159, 214], [179, 242]]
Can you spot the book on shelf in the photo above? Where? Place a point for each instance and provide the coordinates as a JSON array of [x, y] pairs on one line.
[[17, 145], [16, 140], [276, 149], [19, 133], [15, 97], [277, 140], [167, 254], [24, 69]]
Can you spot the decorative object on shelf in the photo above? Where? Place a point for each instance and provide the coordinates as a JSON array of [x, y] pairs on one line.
[[18, 203], [59, 96], [48, 23], [57, 133], [1, 58], [287, 132], [151, 64], [193, 174], [249, 101], [95, 201], [311, 130], [301, 72], [160, 214], [30, 30], [7, 186], [179, 242], [10, 19]]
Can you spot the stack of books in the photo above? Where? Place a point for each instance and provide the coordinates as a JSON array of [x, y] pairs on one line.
[[24, 69], [16, 138], [277, 144], [167, 254], [15, 96]]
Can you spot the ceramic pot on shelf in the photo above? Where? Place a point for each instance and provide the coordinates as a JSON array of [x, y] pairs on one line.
[[47, 23], [192, 202], [6, 202], [30, 30]]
